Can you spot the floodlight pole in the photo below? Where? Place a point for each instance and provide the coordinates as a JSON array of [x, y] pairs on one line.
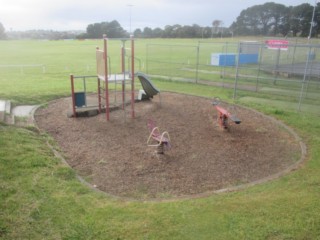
[[312, 19], [130, 6]]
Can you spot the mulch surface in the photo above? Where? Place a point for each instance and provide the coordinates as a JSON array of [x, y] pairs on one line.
[[114, 155]]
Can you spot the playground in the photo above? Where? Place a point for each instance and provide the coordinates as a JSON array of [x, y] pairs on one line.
[[114, 156], [152, 145]]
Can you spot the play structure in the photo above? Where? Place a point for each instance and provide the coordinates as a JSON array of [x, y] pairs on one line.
[[105, 77], [108, 82], [224, 115], [113, 88], [161, 140]]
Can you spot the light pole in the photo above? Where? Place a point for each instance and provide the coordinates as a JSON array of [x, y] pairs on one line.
[[312, 19], [130, 6]]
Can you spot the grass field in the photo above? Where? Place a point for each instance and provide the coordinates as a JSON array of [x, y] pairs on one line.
[[41, 198]]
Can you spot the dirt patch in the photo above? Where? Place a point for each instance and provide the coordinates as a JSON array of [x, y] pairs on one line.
[[115, 157]]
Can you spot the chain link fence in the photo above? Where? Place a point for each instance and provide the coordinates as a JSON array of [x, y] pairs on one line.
[[282, 73]]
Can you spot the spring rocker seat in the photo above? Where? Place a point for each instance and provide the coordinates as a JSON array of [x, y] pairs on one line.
[[224, 115], [158, 139]]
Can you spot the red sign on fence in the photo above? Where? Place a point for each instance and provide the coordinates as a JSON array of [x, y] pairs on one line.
[[277, 44]]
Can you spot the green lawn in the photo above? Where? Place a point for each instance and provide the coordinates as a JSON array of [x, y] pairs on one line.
[[41, 198]]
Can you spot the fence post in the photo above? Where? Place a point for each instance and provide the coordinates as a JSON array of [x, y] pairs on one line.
[[237, 74], [304, 79], [259, 66], [197, 62], [276, 69], [226, 51]]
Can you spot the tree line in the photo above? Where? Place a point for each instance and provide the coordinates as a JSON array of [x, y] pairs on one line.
[[276, 19], [269, 19]]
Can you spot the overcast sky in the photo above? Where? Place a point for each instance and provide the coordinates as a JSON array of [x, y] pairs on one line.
[[131, 14]]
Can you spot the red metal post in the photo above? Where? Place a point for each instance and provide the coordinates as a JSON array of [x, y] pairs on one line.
[[123, 72], [99, 84], [73, 96], [122, 58], [132, 77], [99, 94], [105, 43]]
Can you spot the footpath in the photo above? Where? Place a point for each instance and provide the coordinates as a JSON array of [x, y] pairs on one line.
[[16, 115]]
